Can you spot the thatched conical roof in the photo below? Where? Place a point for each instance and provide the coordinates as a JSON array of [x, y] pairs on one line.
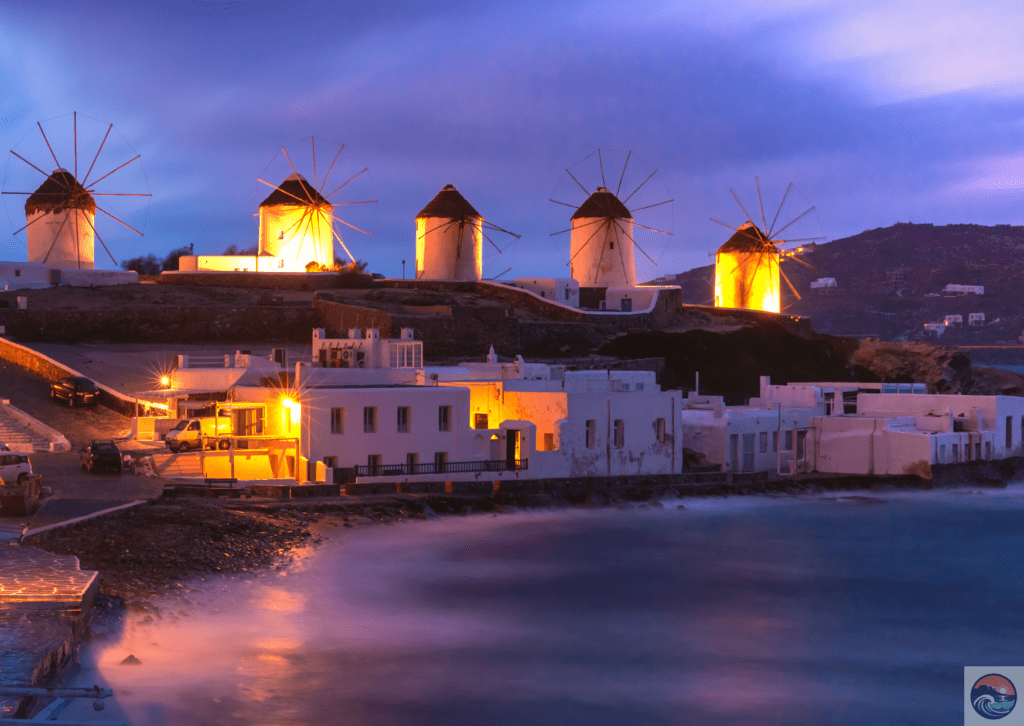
[[748, 238], [602, 203], [60, 191], [448, 204], [294, 191]]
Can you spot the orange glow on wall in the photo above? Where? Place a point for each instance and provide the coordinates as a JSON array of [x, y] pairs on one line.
[[747, 280]]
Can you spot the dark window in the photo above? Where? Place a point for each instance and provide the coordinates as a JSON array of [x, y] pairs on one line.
[[370, 420], [764, 442], [1009, 432], [480, 421], [444, 418], [620, 433], [337, 420], [591, 435], [404, 414]]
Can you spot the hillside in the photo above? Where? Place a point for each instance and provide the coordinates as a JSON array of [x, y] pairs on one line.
[[874, 299]]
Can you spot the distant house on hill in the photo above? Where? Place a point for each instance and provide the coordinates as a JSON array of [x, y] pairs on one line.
[[952, 289]]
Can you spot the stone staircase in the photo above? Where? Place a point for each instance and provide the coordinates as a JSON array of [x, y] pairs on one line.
[[20, 437]]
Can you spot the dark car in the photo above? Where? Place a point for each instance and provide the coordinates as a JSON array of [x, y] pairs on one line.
[[101, 455], [76, 390]]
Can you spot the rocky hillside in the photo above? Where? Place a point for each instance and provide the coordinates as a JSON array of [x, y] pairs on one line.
[[890, 282]]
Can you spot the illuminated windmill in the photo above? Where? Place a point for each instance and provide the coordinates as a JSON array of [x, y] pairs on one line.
[[748, 269], [297, 219], [449, 238], [604, 235], [60, 214]]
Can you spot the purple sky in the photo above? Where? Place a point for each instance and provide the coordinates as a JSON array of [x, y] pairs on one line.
[[878, 112]]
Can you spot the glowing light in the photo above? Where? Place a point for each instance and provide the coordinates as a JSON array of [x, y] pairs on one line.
[[287, 403], [165, 381], [748, 280]]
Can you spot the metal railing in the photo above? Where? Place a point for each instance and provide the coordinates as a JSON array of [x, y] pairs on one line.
[[447, 467]]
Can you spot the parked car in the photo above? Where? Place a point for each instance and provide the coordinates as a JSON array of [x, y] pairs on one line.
[[76, 390], [101, 455], [14, 466]]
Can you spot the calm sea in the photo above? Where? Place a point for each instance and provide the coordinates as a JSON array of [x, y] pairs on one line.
[[733, 611]]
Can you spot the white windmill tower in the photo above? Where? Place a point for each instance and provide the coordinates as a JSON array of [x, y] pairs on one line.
[[60, 214], [603, 233], [449, 238]]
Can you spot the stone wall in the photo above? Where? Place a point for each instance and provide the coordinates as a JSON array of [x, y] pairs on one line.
[[268, 280], [337, 318], [279, 324]]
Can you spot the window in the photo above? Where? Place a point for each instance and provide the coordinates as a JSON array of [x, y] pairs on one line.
[[444, 418], [370, 420], [480, 421], [764, 442], [549, 442], [331, 462], [988, 449], [748, 452], [977, 450], [620, 433], [280, 234], [787, 442], [405, 355], [17, 273], [1009, 432], [411, 460], [640, 386], [956, 453], [374, 461], [404, 415], [441, 462], [942, 454], [591, 436], [659, 428], [337, 420]]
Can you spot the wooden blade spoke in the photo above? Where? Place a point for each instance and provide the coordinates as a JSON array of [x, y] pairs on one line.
[[779, 211], [803, 262], [41, 216], [447, 224], [48, 145], [799, 216], [630, 237], [97, 154], [304, 189], [786, 278], [760, 202], [119, 221], [307, 217], [801, 239], [583, 246], [324, 182], [623, 174], [74, 116], [300, 200], [641, 186], [499, 229], [500, 251], [578, 182], [499, 274], [112, 194], [312, 142], [297, 222], [600, 163], [649, 206], [339, 219], [364, 169], [348, 204], [138, 156], [734, 229], [659, 231], [571, 206], [58, 180], [100, 239], [749, 218], [581, 226], [338, 237]]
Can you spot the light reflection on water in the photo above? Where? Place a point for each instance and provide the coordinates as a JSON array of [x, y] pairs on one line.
[[745, 610]]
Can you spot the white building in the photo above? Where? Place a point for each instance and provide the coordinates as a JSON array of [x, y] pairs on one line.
[[601, 242], [823, 283], [935, 329], [976, 320], [449, 238], [954, 321], [563, 290]]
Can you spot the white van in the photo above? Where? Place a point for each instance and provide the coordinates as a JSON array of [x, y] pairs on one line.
[[14, 466]]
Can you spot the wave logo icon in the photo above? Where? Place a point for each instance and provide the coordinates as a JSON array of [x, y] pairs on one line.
[[993, 696]]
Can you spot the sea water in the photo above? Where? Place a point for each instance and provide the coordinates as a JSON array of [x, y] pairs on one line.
[[747, 610]]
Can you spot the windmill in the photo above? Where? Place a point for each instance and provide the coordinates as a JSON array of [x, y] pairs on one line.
[[60, 214], [748, 267], [449, 238], [297, 218], [604, 232]]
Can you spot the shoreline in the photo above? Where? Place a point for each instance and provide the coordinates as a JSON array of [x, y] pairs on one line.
[[153, 549]]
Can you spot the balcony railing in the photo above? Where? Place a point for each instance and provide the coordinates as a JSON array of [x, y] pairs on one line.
[[447, 467]]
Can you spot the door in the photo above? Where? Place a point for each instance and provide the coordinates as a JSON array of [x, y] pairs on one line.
[[748, 452], [512, 448], [734, 452]]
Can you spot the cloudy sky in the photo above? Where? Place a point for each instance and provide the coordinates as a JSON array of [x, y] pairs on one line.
[[877, 111]]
